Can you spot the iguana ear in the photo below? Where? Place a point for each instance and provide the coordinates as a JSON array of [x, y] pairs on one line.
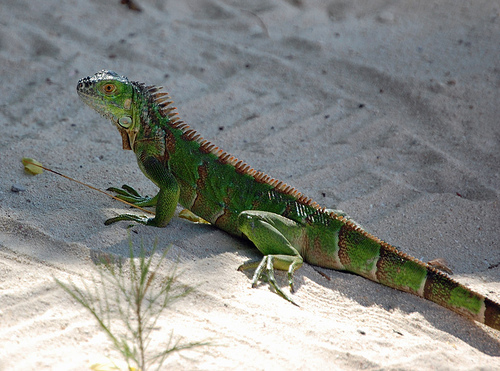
[[125, 122]]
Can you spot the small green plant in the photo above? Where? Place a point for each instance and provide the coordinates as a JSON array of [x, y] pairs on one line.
[[127, 301]]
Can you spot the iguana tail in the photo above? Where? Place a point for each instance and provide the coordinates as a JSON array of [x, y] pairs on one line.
[[362, 253]]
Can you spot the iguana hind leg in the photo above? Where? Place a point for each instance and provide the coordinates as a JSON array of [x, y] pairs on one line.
[[274, 236]]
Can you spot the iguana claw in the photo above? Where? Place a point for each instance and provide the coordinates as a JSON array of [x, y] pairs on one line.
[[130, 217], [129, 194]]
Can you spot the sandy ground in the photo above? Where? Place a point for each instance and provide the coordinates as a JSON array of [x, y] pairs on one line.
[[387, 110]]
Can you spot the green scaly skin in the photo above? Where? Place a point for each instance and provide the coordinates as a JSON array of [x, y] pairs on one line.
[[287, 227]]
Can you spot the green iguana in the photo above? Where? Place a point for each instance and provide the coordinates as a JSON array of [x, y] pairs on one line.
[[287, 227]]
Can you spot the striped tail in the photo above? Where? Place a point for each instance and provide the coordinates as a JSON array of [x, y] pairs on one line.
[[362, 253], [445, 291]]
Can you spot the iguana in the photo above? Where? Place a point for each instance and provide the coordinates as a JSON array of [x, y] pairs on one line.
[[287, 227]]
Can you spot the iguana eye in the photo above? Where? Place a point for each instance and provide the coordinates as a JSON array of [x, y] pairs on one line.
[[108, 88]]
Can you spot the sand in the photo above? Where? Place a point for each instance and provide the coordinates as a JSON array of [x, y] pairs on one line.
[[386, 110]]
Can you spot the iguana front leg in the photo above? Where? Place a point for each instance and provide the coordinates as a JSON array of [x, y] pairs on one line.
[[166, 199], [274, 236], [129, 194]]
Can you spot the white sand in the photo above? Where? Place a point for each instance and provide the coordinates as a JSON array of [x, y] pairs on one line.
[[387, 110]]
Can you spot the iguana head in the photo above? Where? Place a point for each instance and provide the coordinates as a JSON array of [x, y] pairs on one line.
[[112, 96]]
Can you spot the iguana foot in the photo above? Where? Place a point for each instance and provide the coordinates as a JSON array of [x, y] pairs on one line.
[[129, 194], [265, 270], [133, 218]]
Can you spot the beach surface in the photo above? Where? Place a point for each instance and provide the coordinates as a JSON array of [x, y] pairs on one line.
[[386, 110]]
